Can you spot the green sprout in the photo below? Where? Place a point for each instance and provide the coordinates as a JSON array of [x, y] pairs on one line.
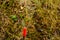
[[14, 17]]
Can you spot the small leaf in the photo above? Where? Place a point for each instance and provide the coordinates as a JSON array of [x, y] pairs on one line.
[[13, 17]]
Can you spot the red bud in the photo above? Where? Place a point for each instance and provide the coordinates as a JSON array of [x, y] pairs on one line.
[[24, 31]]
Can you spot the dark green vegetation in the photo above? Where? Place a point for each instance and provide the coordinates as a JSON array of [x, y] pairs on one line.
[[41, 17]]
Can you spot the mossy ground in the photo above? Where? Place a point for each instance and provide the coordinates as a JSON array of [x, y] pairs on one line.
[[41, 17]]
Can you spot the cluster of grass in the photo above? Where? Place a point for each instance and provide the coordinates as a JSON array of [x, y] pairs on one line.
[[41, 17]]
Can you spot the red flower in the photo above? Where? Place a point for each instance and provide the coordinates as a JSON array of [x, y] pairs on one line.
[[24, 32]]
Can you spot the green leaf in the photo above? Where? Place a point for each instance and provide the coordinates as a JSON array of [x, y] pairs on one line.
[[14, 17]]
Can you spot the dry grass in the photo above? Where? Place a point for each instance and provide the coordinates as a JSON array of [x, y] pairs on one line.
[[41, 17]]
